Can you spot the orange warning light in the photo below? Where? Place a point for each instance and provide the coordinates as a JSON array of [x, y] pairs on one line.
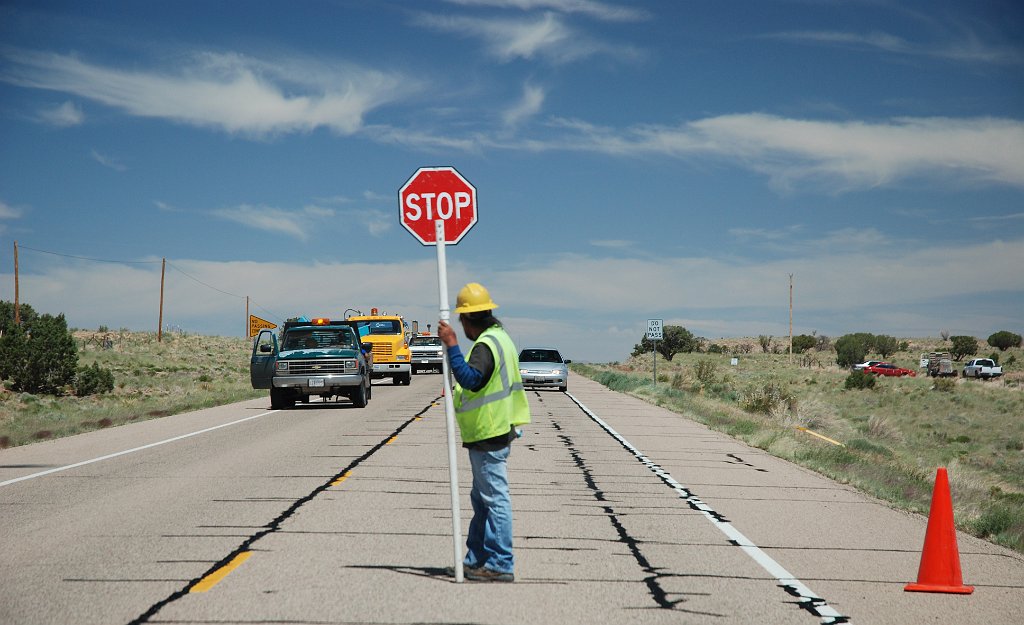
[[321, 321]]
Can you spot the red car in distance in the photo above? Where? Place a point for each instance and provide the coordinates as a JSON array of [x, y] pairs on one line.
[[884, 368]]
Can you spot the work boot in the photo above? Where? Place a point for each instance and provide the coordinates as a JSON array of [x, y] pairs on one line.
[[484, 574]]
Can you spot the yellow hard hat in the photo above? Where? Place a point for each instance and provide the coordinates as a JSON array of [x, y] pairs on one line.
[[473, 298]]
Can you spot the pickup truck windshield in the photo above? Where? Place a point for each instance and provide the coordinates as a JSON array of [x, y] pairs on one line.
[[431, 341], [315, 339]]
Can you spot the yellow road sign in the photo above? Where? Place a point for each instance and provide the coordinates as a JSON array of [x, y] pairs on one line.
[[256, 324]]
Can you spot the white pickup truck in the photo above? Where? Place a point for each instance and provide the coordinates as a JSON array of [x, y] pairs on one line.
[[982, 368]]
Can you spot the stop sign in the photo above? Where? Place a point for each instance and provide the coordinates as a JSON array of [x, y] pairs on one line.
[[437, 193]]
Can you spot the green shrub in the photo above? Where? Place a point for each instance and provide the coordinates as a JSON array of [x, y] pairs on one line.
[[996, 519], [93, 380], [944, 385], [853, 348], [963, 346], [885, 345], [678, 381], [676, 339], [803, 342], [40, 356], [620, 381], [859, 380], [705, 371], [1004, 340], [767, 397]]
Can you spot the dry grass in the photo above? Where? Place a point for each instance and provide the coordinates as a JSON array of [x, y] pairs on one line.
[[151, 379], [894, 435]]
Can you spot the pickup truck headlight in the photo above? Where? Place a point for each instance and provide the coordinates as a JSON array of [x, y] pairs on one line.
[[401, 358], [282, 365]]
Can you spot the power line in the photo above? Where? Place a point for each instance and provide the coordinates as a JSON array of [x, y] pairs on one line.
[[195, 279], [153, 262], [97, 260]]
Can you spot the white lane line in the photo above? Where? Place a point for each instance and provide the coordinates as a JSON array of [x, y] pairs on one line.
[[131, 451], [807, 599]]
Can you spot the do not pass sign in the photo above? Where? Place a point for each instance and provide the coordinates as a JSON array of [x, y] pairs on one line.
[[437, 194]]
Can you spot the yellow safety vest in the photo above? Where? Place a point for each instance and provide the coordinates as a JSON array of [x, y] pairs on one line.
[[501, 403]]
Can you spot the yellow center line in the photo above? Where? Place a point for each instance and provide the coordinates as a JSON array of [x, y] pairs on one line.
[[391, 440], [344, 476], [214, 578]]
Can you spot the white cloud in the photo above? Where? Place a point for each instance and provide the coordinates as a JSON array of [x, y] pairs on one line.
[[590, 8], [613, 243], [232, 92], [1010, 217], [8, 212], [107, 161], [851, 154], [546, 37], [290, 223], [303, 223], [970, 49], [63, 116], [376, 222], [528, 106]]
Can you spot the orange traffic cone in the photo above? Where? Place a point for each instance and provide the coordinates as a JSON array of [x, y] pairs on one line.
[[940, 559]]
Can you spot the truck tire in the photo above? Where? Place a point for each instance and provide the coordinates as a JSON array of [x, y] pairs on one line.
[[406, 379], [359, 397], [280, 399]]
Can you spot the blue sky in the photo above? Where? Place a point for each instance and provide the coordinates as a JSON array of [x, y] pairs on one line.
[[673, 160]]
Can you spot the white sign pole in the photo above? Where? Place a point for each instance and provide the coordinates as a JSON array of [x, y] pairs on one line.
[[449, 405]]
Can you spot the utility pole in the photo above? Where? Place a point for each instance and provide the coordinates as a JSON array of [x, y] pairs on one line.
[[17, 307], [790, 318], [160, 324]]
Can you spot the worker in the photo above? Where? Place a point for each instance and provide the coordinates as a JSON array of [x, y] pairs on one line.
[[490, 404]]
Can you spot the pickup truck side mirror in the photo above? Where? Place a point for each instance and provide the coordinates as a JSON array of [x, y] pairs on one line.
[[266, 349], [567, 361]]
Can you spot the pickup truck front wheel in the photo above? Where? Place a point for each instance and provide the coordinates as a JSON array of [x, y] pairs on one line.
[[281, 399], [359, 397]]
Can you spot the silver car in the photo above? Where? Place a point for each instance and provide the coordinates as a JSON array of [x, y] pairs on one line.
[[544, 366]]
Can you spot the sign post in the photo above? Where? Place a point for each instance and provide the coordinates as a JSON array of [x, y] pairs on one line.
[[437, 206], [655, 332]]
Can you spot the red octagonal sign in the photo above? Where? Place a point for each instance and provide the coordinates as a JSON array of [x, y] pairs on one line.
[[437, 193]]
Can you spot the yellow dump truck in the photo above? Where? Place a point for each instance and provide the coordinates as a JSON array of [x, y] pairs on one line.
[[390, 339]]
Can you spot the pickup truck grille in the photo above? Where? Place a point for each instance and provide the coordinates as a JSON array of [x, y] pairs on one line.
[[320, 366]]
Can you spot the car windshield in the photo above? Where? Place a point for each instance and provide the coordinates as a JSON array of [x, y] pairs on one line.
[[431, 341], [302, 338], [540, 355]]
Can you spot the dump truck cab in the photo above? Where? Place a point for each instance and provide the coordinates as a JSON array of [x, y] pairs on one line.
[[389, 338]]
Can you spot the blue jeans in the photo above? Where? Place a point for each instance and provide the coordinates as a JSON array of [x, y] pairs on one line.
[[490, 532]]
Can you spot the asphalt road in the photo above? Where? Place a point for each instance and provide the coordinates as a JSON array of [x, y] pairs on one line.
[[624, 513]]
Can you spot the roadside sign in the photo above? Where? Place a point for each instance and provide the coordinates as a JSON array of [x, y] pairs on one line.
[[437, 194], [256, 324], [655, 329]]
